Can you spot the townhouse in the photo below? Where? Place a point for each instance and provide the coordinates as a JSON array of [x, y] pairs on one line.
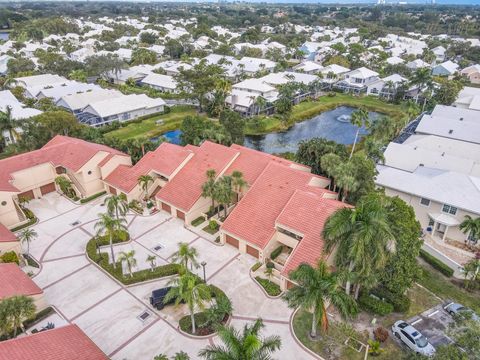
[[448, 68], [468, 98], [472, 73], [32, 175], [386, 87], [357, 81]]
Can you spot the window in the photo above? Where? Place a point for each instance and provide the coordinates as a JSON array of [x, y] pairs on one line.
[[374, 91], [424, 202], [431, 222], [449, 209], [4, 203], [408, 337]]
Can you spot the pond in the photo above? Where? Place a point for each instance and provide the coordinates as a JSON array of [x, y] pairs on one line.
[[332, 125]]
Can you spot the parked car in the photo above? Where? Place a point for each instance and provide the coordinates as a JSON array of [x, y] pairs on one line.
[[456, 309], [412, 338], [157, 297]]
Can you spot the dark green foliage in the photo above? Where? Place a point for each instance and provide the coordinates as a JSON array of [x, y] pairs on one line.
[[92, 197], [373, 305], [311, 151], [400, 302], [10, 257], [437, 264], [270, 287], [198, 221], [274, 254]]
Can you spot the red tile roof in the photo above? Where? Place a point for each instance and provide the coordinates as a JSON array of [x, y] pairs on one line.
[[15, 282], [306, 213], [64, 343], [6, 235], [186, 187], [164, 160], [253, 219], [63, 151]]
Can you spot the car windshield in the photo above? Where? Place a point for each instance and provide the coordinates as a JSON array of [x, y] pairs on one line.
[[421, 342]]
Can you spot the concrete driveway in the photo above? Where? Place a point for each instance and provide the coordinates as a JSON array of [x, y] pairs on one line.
[[109, 312]]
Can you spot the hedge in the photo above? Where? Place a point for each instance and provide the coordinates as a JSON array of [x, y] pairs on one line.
[[198, 221], [274, 254], [10, 257], [437, 264], [256, 266], [32, 219], [93, 197], [374, 305], [270, 287], [400, 302]]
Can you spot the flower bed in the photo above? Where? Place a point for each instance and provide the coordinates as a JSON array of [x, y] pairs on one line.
[[270, 287]]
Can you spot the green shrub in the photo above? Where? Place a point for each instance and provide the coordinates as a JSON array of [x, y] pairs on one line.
[[270, 287], [10, 257], [437, 264], [28, 213], [400, 302], [23, 226], [185, 323], [198, 221], [270, 265], [373, 305], [274, 254], [93, 197], [256, 266], [213, 225]]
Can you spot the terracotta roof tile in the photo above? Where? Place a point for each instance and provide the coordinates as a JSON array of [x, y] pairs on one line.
[[15, 282], [186, 187], [63, 151], [64, 343], [164, 160], [6, 235]]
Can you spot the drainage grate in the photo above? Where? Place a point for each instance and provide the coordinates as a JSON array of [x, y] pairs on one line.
[[144, 316], [158, 247], [76, 223]]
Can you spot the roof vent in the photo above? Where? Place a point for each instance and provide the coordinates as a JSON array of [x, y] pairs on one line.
[[450, 131], [461, 119], [421, 165], [443, 153]]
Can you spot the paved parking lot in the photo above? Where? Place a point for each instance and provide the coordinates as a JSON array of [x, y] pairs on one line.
[[108, 312]]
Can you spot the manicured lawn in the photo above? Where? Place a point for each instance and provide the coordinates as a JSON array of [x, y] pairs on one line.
[[148, 128], [309, 109], [444, 288]]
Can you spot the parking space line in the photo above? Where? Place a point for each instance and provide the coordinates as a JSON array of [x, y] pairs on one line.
[[131, 221], [66, 276], [63, 258], [223, 266], [96, 304], [151, 229], [252, 318]]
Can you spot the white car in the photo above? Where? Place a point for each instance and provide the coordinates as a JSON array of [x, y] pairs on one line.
[[412, 338], [455, 309]]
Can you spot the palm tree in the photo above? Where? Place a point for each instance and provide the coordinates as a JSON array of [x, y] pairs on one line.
[[223, 192], [423, 79], [143, 182], [359, 118], [8, 123], [108, 226], [195, 294], [186, 254], [248, 345], [66, 186], [330, 165], [208, 187], [471, 226], [238, 183], [116, 205], [153, 261], [316, 288], [129, 258], [362, 236], [260, 103], [345, 179], [27, 236], [20, 308]]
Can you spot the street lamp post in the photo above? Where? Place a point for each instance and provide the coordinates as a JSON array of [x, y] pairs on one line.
[[204, 263]]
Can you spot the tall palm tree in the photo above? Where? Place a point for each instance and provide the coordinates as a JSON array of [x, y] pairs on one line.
[[316, 288], [362, 236], [471, 226], [359, 118], [223, 192], [248, 345], [108, 226], [345, 179], [20, 308], [423, 79], [153, 261], [27, 236], [8, 123], [116, 205], [187, 288], [129, 258], [260, 103], [208, 187], [238, 183], [186, 254], [143, 182], [329, 163]]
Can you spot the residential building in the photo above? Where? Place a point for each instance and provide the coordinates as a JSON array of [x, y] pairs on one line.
[[160, 82], [448, 68], [77, 102], [357, 81], [308, 67], [121, 108], [472, 73], [417, 64], [333, 73], [386, 87], [32, 174], [36, 82], [8, 241], [3, 64], [56, 91], [440, 53], [16, 283], [468, 98], [63, 343]]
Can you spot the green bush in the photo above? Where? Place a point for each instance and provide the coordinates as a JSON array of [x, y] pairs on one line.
[[27, 224], [185, 323], [437, 264], [373, 305], [198, 221], [93, 197], [10, 257], [274, 254], [400, 302], [270, 265], [256, 266], [270, 287], [28, 213]]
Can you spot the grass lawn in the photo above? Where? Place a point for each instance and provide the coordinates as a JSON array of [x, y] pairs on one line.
[[446, 289], [309, 109], [148, 128]]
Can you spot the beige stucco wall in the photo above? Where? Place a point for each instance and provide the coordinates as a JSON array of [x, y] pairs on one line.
[[9, 246], [34, 177], [422, 211], [113, 163], [8, 213], [40, 302]]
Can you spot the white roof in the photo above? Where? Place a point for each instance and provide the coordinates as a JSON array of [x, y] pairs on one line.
[[450, 66], [164, 81], [68, 88], [308, 66], [44, 80], [363, 73], [123, 104], [288, 76], [82, 100], [255, 85], [469, 97], [394, 60], [395, 78], [17, 108], [447, 187], [336, 69]]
